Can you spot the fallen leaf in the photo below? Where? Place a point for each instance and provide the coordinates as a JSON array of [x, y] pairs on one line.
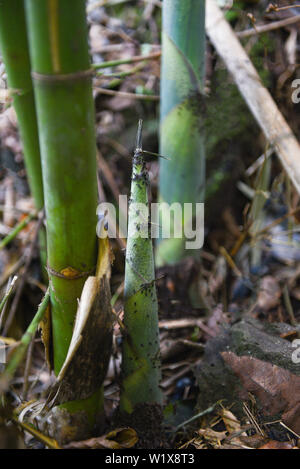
[[212, 436], [269, 293], [277, 389], [120, 438], [230, 421], [253, 441], [277, 445]]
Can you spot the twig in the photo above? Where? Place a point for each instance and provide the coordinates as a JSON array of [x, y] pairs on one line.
[[197, 416], [123, 94], [129, 60], [277, 221], [16, 230], [289, 429], [275, 7], [103, 3], [289, 306], [180, 323], [107, 173], [230, 262], [268, 27]]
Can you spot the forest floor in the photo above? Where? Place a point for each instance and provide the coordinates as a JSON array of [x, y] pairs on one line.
[[229, 320]]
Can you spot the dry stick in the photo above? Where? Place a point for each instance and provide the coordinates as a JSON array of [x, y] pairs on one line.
[[22, 278], [277, 221], [276, 8], [257, 97], [264, 28]]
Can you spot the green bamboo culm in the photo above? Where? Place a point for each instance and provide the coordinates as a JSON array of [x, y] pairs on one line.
[[182, 179], [15, 54], [57, 32], [140, 358]]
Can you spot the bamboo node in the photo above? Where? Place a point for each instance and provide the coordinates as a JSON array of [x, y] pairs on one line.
[[59, 77], [69, 273]]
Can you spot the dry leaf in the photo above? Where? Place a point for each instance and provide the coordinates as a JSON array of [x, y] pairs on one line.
[[269, 293], [277, 445], [212, 436], [230, 421], [277, 389], [121, 438]]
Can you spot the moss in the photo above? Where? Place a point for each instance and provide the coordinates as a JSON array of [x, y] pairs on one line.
[[262, 48]]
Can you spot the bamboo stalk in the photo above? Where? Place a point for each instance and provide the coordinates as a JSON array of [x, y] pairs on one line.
[[14, 48], [15, 53], [140, 358], [181, 133], [65, 110]]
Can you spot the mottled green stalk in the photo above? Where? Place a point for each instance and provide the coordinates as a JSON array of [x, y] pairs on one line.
[[182, 179], [14, 50], [65, 111], [140, 361]]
